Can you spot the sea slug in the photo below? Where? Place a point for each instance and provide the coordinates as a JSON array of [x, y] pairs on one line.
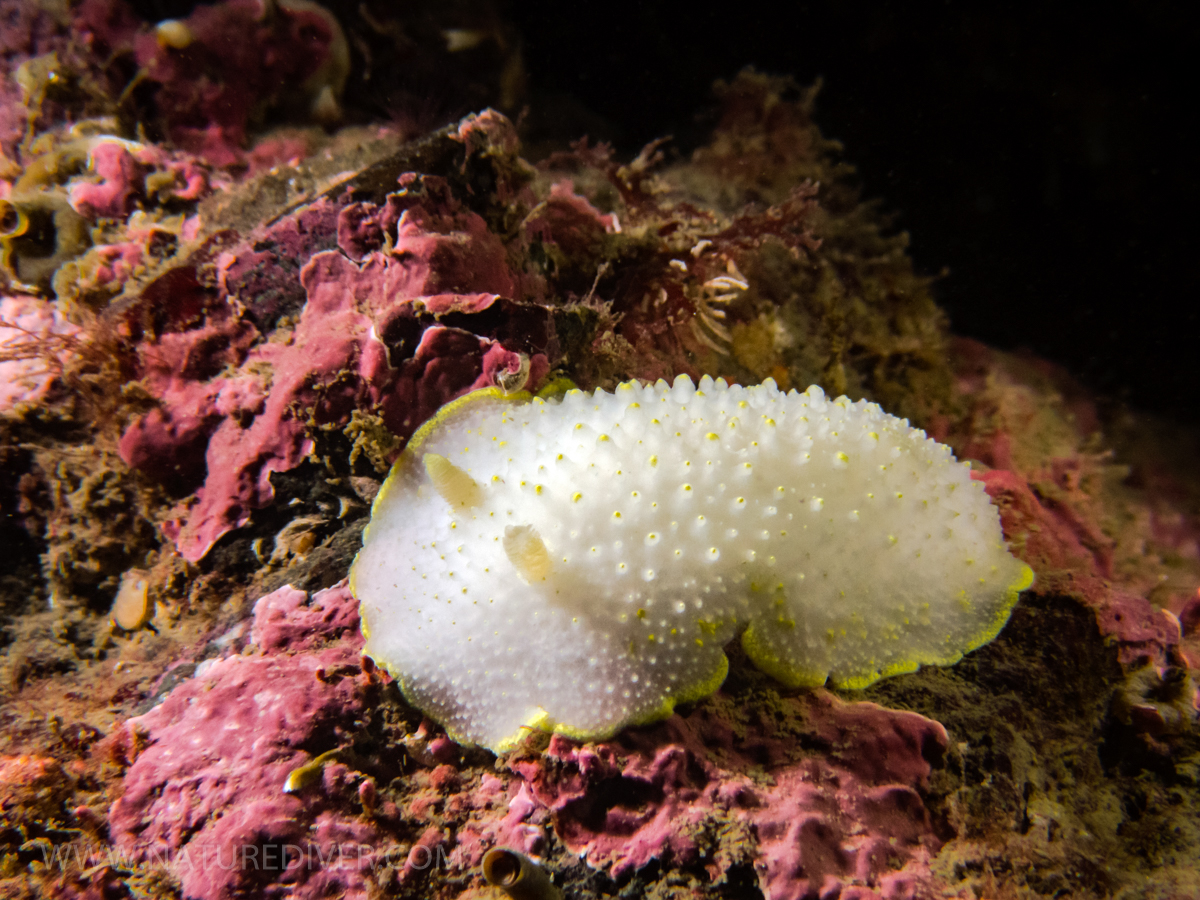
[[577, 564]]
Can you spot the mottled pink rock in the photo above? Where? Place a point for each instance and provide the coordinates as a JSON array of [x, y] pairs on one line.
[[260, 274], [192, 182], [169, 443], [1071, 556], [363, 228], [286, 148], [287, 619], [488, 132], [309, 375], [829, 792], [35, 342], [359, 344], [238, 62], [127, 179], [116, 262], [569, 221], [424, 850], [116, 184], [448, 259], [206, 792], [496, 814]]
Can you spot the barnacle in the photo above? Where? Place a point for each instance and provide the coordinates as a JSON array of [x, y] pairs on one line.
[[714, 294]]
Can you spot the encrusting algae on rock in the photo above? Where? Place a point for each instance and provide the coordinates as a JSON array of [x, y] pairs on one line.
[[578, 564], [198, 403]]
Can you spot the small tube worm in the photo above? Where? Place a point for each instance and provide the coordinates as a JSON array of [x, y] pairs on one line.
[[518, 876]]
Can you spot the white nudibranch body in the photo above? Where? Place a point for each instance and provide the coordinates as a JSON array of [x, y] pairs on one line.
[[578, 564]]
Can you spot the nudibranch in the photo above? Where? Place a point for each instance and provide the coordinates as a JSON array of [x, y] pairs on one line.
[[577, 564]]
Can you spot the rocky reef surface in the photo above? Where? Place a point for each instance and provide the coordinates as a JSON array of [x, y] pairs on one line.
[[222, 316]]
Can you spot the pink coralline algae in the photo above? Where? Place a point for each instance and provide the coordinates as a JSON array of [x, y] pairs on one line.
[[224, 65], [363, 341], [1069, 557], [826, 793], [260, 358], [204, 791], [1051, 508], [569, 221], [122, 174], [1051, 521], [117, 174], [205, 787]]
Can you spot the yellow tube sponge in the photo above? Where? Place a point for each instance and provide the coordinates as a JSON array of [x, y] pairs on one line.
[[577, 565]]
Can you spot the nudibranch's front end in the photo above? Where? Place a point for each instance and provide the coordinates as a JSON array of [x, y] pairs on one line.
[[578, 564]]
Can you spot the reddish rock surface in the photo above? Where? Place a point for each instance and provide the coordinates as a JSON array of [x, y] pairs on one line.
[[208, 765], [228, 339], [825, 793]]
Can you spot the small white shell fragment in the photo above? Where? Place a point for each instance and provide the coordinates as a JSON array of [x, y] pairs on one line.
[[577, 565]]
